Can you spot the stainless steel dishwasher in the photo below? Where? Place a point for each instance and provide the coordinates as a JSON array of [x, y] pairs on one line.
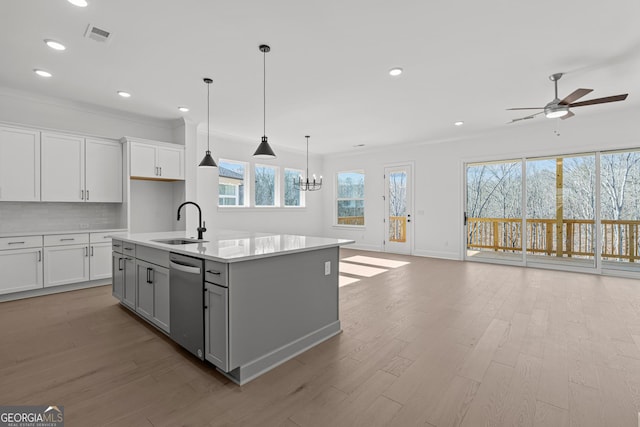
[[186, 304]]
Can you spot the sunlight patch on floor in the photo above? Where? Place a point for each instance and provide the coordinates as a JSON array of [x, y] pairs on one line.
[[345, 281], [360, 270], [378, 262]]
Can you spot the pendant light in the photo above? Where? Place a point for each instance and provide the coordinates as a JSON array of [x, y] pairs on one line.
[[264, 151], [207, 161], [306, 184]]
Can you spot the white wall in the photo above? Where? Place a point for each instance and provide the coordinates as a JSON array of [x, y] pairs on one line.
[[438, 173], [306, 220], [35, 110]]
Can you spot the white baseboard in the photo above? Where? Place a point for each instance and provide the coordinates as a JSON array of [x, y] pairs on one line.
[[438, 254], [363, 247], [54, 290]]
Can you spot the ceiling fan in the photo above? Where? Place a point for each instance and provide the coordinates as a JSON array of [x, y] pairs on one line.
[[560, 108]]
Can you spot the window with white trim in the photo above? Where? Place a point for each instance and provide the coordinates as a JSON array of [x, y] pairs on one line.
[[350, 198], [266, 185], [293, 197], [232, 176]]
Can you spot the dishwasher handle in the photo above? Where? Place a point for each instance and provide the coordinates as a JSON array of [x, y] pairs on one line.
[[184, 268]]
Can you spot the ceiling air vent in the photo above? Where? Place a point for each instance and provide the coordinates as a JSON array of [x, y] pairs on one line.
[[98, 34]]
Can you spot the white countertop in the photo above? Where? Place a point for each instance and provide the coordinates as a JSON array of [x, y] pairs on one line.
[[48, 233], [234, 246]]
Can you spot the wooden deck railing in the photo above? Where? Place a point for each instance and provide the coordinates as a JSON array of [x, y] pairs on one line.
[[351, 220], [620, 238], [398, 229]]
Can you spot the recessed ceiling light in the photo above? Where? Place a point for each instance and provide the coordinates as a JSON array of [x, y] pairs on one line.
[[42, 73], [79, 3], [459, 123], [359, 145], [55, 45], [183, 109], [395, 71], [124, 94]]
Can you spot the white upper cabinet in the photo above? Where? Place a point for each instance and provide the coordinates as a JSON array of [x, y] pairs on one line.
[[103, 171], [62, 168], [19, 165], [79, 170], [158, 161]]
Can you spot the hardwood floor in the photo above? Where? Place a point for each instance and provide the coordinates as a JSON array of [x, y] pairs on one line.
[[429, 343]]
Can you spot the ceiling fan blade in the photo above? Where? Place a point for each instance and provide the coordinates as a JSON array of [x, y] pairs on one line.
[[567, 116], [575, 95], [600, 100], [531, 116], [526, 108]]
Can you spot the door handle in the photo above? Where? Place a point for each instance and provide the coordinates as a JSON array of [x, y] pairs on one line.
[[149, 275], [409, 218], [184, 268], [39, 256], [91, 250], [216, 272], [465, 218], [87, 194], [120, 268], [86, 251], [81, 194]]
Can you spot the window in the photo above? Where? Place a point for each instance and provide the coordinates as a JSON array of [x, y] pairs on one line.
[[231, 186], [350, 198], [266, 185], [292, 195]]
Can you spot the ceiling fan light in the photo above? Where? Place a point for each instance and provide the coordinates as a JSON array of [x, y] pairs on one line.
[[556, 113]]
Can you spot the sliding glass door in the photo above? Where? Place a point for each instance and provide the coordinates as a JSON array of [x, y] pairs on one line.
[[620, 210], [493, 215], [561, 205]]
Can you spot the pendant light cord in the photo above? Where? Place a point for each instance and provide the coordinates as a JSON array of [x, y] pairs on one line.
[[208, 115], [264, 92], [307, 158]]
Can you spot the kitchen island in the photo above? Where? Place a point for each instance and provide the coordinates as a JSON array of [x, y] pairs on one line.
[[265, 298]]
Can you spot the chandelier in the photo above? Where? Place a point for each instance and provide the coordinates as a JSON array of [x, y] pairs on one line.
[[307, 184]]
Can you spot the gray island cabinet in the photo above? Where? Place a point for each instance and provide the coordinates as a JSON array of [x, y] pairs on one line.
[[267, 297]]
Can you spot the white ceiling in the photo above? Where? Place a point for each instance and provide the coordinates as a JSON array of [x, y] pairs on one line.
[[327, 72]]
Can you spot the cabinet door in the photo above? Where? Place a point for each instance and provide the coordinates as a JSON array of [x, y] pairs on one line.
[[99, 261], [21, 270], [66, 264], [143, 160], [129, 294], [62, 168], [103, 171], [144, 302], [161, 297], [216, 326], [171, 163], [117, 276], [19, 165]]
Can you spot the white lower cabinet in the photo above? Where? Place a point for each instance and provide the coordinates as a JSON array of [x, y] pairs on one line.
[[66, 264], [153, 293], [21, 270], [216, 325], [99, 261]]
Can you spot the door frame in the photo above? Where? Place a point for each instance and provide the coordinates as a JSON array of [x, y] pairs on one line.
[[410, 165]]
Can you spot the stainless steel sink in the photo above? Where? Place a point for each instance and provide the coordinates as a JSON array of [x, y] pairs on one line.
[[178, 241]]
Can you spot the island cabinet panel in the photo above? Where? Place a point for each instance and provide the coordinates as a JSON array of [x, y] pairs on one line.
[[117, 268], [215, 272], [129, 294], [275, 301], [216, 325], [153, 293]]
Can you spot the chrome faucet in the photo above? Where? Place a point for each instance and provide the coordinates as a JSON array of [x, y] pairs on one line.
[[201, 228]]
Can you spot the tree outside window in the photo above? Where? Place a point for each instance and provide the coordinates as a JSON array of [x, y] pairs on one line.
[[292, 195], [265, 185]]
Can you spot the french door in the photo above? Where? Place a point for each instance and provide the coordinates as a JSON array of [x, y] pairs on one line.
[[398, 208]]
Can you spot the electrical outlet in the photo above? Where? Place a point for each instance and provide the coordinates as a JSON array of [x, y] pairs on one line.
[[327, 268]]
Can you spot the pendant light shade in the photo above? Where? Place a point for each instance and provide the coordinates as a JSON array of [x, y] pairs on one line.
[[207, 161], [264, 150]]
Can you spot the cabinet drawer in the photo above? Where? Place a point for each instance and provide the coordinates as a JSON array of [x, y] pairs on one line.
[[129, 248], [20, 242], [215, 272], [66, 239], [100, 237], [153, 255], [116, 245]]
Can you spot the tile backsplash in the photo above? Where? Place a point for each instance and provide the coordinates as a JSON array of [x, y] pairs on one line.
[[39, 216]]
